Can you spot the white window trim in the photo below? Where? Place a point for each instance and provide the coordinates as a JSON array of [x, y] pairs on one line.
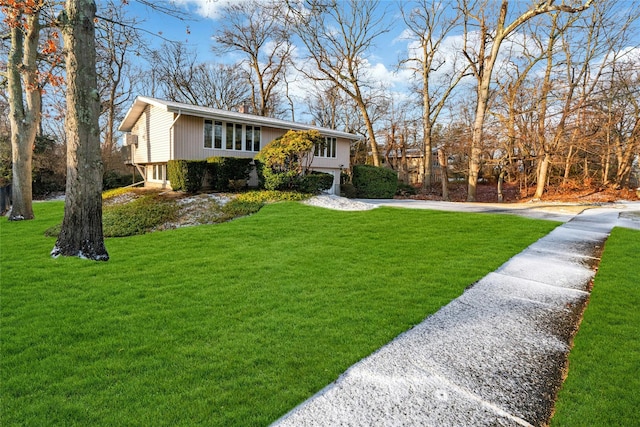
[[234, 126], [330, 147], [162, 168]]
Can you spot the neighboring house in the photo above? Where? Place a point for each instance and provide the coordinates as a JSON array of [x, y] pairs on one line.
[[413, 159], [158, 131]]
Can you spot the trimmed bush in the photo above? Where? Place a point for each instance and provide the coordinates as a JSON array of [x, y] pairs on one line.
[[259, 165], [374, 182], [186, 175], [224, 170], [282, 181], [316, 182], [213, 173], [348, 190]]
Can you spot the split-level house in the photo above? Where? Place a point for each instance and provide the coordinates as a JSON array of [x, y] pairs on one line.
[[158, 131]]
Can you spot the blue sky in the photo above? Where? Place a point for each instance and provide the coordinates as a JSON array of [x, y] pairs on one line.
[[197, 31], [204, 15]]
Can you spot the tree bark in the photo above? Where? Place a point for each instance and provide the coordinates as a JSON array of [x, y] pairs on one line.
[[543, 173], [24, 120], [81, 233], [444, 167]]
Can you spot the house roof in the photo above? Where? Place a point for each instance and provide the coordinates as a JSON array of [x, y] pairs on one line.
[[141, 103]]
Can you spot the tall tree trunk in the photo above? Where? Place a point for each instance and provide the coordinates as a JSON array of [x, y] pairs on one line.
[[543, 172], [567, 166], [373, 144], [427, 141], [81, 233], [476, 139], [404, 166], [500, 185], [442, 159], [24, 120]]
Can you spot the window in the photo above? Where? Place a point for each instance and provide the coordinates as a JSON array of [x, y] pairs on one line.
[[229, 145], [252, 138], [218, 135], [237, 137], [212, 134], [256, 139], [159, 172], [208, 134], [327, 149]]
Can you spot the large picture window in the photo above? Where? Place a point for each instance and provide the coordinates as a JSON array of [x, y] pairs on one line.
[[236, 136], [328, 148]]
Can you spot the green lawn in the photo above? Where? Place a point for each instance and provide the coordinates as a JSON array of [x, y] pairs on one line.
[[230, 324], [603, 385]]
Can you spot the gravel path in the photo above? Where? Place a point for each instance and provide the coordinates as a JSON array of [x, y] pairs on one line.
[[495, 356]]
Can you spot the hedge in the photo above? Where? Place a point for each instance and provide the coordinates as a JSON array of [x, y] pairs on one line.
[[316, 182], [186, 175], [373, 182], [222, 171]]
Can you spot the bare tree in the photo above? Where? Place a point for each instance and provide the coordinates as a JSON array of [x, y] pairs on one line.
[[337, 36], [221, 85], [584, 57], [429, 23], [326, 106], [180, 77], [330, 107], [260, 31], [488, 40], [24, 114], [81, 234], [117, 39], [175, 72], [620, 118]]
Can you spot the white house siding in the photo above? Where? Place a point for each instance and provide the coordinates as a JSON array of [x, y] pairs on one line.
[[160, 133], [153, 128], [140, 152]]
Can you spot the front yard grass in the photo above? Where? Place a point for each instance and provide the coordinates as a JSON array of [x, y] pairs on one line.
[[603, 383], [230, 324]]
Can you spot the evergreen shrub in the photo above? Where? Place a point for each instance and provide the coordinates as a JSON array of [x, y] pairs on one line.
[[348, 190], [224, 170], [280, 181], [315, 182], [373, 182], [186, 175]]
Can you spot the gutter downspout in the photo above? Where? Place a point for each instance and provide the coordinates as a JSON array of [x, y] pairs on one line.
[[171, 143], [171, 139]]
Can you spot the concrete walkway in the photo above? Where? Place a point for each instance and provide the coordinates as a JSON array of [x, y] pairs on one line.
[[495, 356]]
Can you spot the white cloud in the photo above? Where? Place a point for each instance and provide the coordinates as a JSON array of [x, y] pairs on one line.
[[206, 8]]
